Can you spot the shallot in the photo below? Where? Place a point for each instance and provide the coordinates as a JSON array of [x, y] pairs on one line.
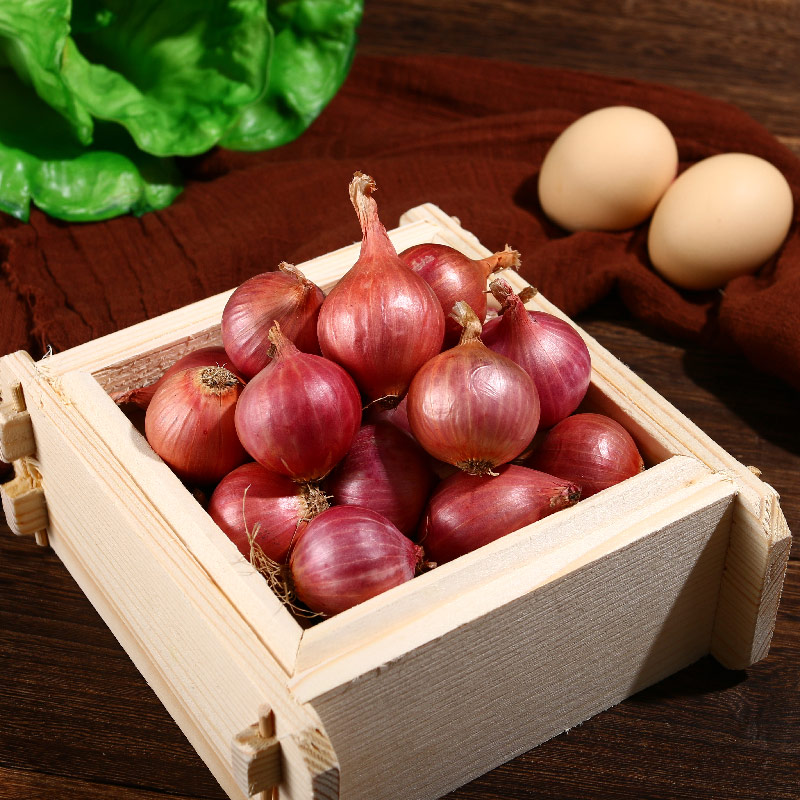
[[592, 450], [299, 415], [286, 297], [467, 511], [273, 510], [212, 356], [549, 349], [381, 321], [385, 471], [190, 423], [348, 554], [454, 276], [472, 407]]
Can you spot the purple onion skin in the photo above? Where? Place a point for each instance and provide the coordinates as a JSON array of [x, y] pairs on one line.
[[381, 321], [212, 356], [273, 502], [387, 472], [466, 512], [550, 350], [453, 277], [285, 296], [299, 415], [592, 450], [470, 405], [348, 554]]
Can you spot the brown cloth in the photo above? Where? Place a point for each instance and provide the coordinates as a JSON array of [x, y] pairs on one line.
[[466, 134]]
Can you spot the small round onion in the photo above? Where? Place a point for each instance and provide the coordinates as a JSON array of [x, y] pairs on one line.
[[190, 423], [396, 415], [472, 407], [454, 276], [466, 512], [381, 322], [286, 297], [272, 508], [549, 349], [213, 356], [592, 450], [385, 471], [299, 415], [348, 554]]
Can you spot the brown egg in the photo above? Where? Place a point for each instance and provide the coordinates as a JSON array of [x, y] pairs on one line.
[[607, 170], [723, 217]]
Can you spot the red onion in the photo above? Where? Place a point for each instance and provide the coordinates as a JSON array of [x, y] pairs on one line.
[[190, 423], [286, 297], [549, 349], [472, 407], [466, 512], [347, 555], [385, 471], [213, 356], [454, 276], [592, 450], [299, 415], [381, 322], [273, 509]]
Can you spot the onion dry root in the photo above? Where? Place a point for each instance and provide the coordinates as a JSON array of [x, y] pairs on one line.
[[254, 506], [212, 356]]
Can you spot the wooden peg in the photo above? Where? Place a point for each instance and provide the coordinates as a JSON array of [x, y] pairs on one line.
[[256, 757], [16, 429], [24, 504]]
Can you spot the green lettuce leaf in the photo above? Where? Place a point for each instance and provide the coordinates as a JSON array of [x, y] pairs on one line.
[[175, 73], [41, 161], [312, 52]]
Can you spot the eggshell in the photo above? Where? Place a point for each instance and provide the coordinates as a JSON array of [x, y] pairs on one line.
[[723, 217], [607, 170]]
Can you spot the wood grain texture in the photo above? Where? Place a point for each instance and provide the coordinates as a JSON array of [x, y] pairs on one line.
[[79, 721]]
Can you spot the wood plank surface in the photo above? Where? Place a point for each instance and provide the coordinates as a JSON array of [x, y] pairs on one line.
[[79, 722]]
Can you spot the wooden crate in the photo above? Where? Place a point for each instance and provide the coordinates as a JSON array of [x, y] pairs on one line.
[[436, 681]]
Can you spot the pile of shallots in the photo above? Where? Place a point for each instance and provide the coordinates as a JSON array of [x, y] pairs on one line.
[[350, 441]]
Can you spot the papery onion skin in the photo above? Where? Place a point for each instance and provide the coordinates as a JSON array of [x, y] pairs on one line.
[[385, 471], [299, 415], [454, 276], [212, 356], [381, 321], [285, 296], [549, 349], [190, 424], [592, 450], [466, 512], [272, 508], [394, 415], [471, 407], [347, 555]]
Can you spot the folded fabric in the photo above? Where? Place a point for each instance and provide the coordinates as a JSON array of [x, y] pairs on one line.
[[465, 133]]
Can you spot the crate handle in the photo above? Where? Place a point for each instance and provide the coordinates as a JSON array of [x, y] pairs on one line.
[[256, 757]]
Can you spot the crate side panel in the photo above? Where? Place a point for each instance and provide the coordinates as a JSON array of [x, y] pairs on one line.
[[590, 523], [205, 663], [453, 708]]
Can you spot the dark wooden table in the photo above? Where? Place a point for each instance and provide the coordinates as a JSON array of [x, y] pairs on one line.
[[79, 722]]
